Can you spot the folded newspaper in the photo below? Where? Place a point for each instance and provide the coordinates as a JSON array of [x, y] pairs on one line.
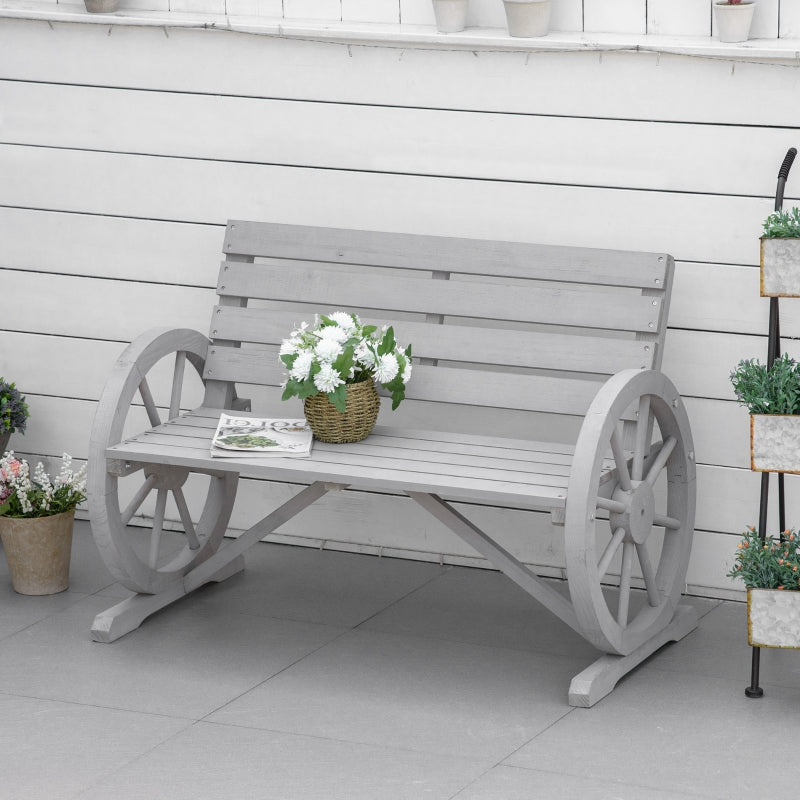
[[254, 436]]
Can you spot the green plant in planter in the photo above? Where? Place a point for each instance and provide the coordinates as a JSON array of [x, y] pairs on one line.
[[768, 563], [13, 409], [783, 224], [768, 390]]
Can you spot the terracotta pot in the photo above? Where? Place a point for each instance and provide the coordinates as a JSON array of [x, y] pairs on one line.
[[38, 552], [780, 267], [773, 618]]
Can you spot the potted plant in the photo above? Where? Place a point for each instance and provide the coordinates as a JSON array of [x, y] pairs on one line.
[[733, 19], [13, 412], [780, 254], [451, 15], [334, 366], [527, 18], [770, 569], [772, 396], [36, 518]]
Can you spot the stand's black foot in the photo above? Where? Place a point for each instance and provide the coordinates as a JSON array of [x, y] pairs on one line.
[[754, 691]]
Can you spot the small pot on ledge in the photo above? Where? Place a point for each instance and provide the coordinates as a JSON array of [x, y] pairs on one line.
[[101, 6], [734, 18]]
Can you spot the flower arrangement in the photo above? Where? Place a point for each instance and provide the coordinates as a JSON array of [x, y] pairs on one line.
[[21, 497], [13, 408], [339, 350], [768, 390], [768, 563], [783, 224]]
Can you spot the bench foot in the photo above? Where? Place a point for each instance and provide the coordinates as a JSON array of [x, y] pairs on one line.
[[127, 616], [598, 679]]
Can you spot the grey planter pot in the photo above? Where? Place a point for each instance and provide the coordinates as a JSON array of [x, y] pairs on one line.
[[780, 267], [451, 15], [773, 618], [101, 6], [527, 18], [775, 443]]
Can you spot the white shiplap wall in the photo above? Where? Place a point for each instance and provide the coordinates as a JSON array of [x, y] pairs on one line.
[[124, 150]]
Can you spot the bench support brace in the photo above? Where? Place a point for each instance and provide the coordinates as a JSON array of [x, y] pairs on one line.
[[598, 679], [227, 561]]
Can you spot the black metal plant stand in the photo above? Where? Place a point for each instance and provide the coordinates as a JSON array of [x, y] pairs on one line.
[[773, 349]]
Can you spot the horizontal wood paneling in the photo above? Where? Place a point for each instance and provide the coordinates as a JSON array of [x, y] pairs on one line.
[[177, 189], [412, 141], [607, 85]]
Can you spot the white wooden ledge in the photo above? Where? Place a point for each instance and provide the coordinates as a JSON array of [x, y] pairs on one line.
[[422, 36]]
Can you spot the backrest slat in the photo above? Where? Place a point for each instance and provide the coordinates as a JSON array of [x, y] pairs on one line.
[[471, 256], [337, 288]]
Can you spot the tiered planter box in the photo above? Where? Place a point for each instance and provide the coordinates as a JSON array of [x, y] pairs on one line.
[[775, 443], [780, 267], [773, 618]]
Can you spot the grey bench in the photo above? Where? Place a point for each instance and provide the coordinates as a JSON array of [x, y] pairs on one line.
[[533, 335]]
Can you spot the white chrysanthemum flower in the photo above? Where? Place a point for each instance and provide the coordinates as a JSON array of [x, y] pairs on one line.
[[327, 379], [328, 350], [302, 365], [333, 333], [344, 320], [289, 346], [387, 368], [364, 356]]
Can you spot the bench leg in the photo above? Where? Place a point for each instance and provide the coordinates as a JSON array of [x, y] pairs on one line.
[[597, 680], [128, 615]]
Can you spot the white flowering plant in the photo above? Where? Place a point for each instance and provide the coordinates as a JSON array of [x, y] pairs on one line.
[[25, 497], [339, 350]]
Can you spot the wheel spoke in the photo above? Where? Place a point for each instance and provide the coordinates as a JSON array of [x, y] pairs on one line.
[[610, 551], [667, 522], [607, 504], [149, 403], [186, 519], [138, 499], [621, 462], [660, 461], [177, 384], [158, 527], [642, 429], [625, 584], [649, 575]]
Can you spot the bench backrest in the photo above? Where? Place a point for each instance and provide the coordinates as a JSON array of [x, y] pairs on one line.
[[516, 326]]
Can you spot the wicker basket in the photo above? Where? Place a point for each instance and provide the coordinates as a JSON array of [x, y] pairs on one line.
[[358, 420]]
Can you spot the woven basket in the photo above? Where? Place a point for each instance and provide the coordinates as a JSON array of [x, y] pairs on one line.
[[358, 420]]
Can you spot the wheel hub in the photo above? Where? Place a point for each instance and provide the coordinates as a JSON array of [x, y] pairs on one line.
[[637, 519], [170, 478]]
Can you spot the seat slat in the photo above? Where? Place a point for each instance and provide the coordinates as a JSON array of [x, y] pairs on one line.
[[518, 303], [532, 349], [472, 256]]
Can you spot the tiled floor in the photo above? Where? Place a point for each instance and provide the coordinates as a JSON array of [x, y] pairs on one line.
[[321, 675]]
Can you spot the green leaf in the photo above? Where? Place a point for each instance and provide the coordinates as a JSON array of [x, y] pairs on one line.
[[339, 398]]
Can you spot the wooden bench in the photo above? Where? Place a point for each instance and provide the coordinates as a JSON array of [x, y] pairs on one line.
[[522, 336]]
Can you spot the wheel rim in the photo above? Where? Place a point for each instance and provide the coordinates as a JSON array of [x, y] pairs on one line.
[[171, 491], [644, 516]]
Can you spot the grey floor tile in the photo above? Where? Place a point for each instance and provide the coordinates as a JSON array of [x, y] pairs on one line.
[[413, 692], [185, 661], [719, 648], [690, 733], [513, 783], [51, 750], [209, 762], [326, 587], [482, 607]]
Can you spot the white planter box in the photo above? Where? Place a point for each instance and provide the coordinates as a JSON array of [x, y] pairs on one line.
[[773, 618], [780, 267], [775, 443]]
